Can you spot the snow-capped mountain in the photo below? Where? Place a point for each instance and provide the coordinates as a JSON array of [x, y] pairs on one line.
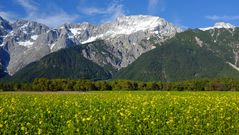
[[222, 39], [127, 25], [19, 45], [126, 39], [219, 25]]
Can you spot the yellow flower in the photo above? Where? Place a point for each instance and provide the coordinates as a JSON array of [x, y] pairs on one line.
[[89, 118], [39, 131], [104, 118], [22, 128]]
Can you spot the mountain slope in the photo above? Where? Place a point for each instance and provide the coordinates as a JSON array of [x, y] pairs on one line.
[[65, 63], [104, 49], [20, 44], [181, 58], [29, 41], [222, 42]]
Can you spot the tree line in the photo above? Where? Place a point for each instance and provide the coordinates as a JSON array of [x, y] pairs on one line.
[[43, 84]]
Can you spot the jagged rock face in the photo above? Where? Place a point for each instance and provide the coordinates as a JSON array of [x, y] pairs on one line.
[[4, 24], [5, 27], [20, 44], [125, 39], [125, 35]]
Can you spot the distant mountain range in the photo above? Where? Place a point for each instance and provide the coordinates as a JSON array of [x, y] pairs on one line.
[[145, 48]]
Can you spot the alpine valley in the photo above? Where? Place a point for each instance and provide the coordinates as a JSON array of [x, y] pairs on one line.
[[140, 47]]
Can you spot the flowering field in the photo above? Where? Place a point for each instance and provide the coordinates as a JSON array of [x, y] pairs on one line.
[[120, 113]]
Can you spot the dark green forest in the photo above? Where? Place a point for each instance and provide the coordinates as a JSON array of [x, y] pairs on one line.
[[43, 84], [181, 58], [66, 63]]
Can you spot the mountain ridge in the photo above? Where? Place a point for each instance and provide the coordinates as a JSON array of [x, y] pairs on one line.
[[115, 46], [29, 41], [65, 63], [193, 54], [219, 25]]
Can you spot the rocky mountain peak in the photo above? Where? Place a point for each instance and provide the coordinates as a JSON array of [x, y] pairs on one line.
[[5, 28], [125, 39], [224, 25], [135, 23], [2, 20], [4, 24], [219, 25], [28, 26]]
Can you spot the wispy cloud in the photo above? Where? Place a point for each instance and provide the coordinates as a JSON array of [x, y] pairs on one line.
[[10, 16], [57, 18], [93, 11], [222, 18], [111, 12], [28, 5], [156, 5]]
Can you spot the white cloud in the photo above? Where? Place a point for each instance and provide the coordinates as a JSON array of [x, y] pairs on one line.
[[93, 11], [115, 10], [222, 18], [57, 18], [156, 5], [9, 16], [28, 5], [111, 12]]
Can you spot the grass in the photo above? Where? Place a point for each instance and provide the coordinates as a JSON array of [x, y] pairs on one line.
[[119, 113]]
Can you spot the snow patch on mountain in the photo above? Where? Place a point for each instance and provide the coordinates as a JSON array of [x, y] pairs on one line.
[[128, 25], [132, 24], [234, 66], [52, 45], [91, 39], [75, 31], [34, 37], [219, 25], [25, 25], [27, 43], [199, 41], [153, 47], [124, 39], [236, 54]]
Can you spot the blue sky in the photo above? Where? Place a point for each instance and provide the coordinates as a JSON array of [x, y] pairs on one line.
[[184, 13]]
